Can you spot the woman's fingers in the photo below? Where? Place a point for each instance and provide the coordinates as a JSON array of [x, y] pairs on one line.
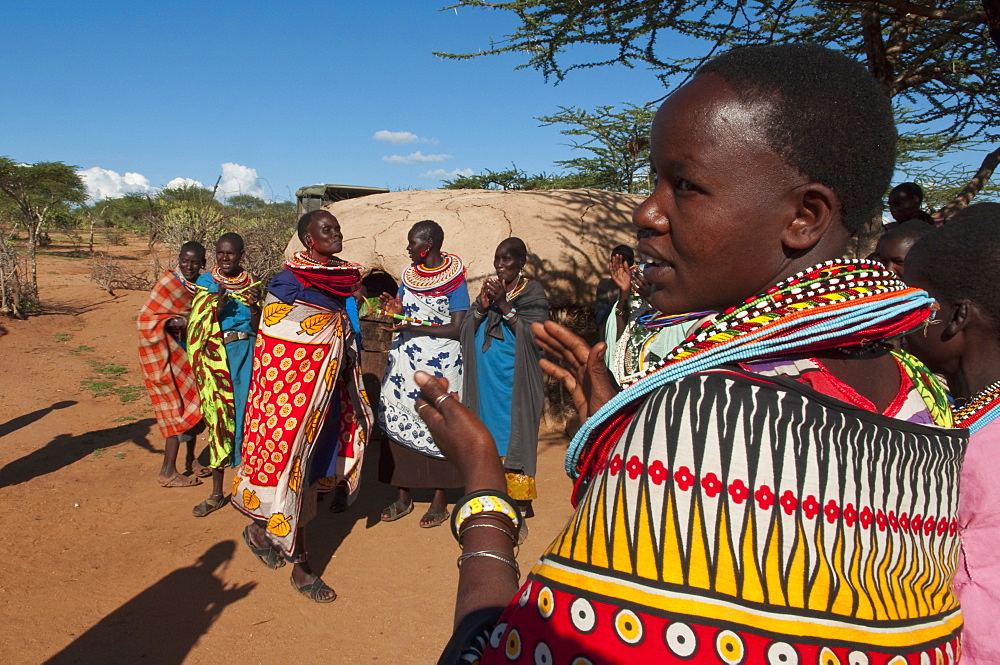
[[559, 373], [568, 379], [431, 387], [571, 347]]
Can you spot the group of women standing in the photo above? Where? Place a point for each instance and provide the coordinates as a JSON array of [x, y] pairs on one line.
[[482, 354]]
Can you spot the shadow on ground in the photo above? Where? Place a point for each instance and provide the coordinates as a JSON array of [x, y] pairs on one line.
[[66, 449], [17, 423], [133, 633]]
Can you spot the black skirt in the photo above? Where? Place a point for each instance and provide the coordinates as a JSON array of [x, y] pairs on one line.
[[404, 467]]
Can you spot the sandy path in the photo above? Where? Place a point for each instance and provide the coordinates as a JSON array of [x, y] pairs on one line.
[[104, 566]]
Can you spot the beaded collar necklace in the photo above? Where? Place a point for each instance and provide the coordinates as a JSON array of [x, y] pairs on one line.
[[837, 303], [190, 286], [435, 281], [980, 410], [340, 279], [236, 283], [301, 261]]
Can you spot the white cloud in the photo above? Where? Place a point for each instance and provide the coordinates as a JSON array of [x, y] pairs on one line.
[[178, 183], [396, 138], [415, 157], [239, 179], [400, 138], [441, 174], [106, 184]]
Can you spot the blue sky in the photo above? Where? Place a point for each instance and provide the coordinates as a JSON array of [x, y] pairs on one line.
[[276, 96]]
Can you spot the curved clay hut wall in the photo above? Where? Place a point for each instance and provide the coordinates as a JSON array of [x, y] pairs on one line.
[[569, 233]]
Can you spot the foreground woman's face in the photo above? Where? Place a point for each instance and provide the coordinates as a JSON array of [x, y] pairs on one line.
[[711, 226]]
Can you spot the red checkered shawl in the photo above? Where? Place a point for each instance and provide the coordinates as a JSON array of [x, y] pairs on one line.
[[168, 376]]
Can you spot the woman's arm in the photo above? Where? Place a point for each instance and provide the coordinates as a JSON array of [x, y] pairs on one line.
[[450, 330], [483, 582]]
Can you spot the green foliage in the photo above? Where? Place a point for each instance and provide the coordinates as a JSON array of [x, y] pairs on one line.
[[246, 202], [128, 394], [108, 369], [186, 194], [98, 387], [130, 211], [515, 179]]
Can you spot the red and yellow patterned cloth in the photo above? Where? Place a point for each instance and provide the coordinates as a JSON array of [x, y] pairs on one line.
[[306, 396], [165, 369]]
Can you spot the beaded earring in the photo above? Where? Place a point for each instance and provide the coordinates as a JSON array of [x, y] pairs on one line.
[[423, 254]]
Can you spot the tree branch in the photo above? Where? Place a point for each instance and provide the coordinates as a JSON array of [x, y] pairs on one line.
[[975, 16], [979, 180]]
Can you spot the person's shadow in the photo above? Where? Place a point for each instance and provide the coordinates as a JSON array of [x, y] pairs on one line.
[[17, 423], [66, 449], [163, 623]]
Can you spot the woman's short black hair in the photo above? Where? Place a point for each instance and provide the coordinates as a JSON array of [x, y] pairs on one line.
[[962, 259], [829, 118], [193, 246], [234, 238], [517, 247], [307, 219], [911, 188], [430, 231]]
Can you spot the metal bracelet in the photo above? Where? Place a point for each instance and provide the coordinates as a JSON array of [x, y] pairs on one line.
[[466, 527], [492, 554]]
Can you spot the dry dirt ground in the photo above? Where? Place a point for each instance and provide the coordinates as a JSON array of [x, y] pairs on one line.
[[102, 565]]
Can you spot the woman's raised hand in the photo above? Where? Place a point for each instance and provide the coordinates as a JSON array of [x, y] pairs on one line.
[[390, 303], [498, 293], [484, 299], [586, 376], [620, 273], [461, 436]]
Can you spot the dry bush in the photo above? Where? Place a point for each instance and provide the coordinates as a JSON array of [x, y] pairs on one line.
[[109, 273], [264, 240], [16, 295]]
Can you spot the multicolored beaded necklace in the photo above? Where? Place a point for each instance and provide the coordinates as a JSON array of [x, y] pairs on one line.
[[236, 283], [658, 320], [518, 287], [838, 303], [981, 410], [190, 286], [342, 278], [438, 281]]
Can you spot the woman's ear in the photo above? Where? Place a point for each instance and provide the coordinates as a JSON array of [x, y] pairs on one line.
[[815, 208], [960, 315]]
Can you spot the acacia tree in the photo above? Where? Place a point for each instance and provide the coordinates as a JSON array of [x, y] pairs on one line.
[[38, 191], [618, 143], [936, 62]]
